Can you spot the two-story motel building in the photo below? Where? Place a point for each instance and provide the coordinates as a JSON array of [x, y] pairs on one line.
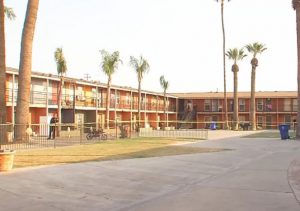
[[84, 102]]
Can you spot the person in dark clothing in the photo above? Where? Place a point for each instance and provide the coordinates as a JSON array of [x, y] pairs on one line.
[[53, 121]]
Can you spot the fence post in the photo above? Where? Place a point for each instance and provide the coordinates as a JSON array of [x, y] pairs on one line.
[[81, 133], [54, 131]]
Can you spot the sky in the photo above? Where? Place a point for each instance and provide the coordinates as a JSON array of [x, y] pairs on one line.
[[181, 39]]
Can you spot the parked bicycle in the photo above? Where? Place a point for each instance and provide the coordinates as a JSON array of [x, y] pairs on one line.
[[100, 134]]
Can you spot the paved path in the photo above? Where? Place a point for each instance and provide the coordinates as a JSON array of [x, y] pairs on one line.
[[257, 174]]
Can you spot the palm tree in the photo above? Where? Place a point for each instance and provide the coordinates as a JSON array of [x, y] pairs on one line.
[[24, 79], [235, 55], [224, 63], [296, 6], [141, 67], [61, 65], [255, 48], [9, 13], [165, 85], [109, 66]]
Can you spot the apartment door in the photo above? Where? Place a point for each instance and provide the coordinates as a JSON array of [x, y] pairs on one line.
[[207, 120], [79, 119], [147, 125], [260, 121], [101, 120], [133, 122], [268, 122]]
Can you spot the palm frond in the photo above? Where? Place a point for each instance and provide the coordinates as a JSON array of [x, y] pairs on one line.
[[110, 62], [163, 83], [141, 66], [236, 54], [60, 60], [255, 48], [9, 13]]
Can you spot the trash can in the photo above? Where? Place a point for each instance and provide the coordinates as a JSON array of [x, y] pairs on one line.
[[213, 126], [284, 131]]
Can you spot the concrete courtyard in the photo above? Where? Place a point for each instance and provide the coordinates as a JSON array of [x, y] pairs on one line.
[[254, 174]]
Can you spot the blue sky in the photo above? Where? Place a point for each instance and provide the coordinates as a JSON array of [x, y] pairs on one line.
[[181, 39]]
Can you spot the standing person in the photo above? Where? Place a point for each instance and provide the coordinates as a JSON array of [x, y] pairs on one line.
[[53, 121]]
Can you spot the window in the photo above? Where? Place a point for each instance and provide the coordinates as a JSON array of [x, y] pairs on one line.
[[268, 105], [231, 105], [214, 105], [207, 105], [287, 119], [153, 102], [260, 105], [117, 97], [295, 104], [260, 121], [94, 93], [242, 105], [80, 93], [100, 96], [167, 104], [128, 99], [207, 120], [220, 107], [287, 105], [214, 118]]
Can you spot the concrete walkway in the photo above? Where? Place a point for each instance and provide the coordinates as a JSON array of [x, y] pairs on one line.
[[256, 174]]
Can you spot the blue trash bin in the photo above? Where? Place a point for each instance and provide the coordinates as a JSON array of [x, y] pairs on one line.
[[284, 131], [213, 126]]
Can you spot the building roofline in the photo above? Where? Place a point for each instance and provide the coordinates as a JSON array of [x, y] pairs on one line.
[[244, 94], [84, 82]]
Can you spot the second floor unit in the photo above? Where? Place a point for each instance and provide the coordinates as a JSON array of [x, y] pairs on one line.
[[46, 89], [213, 102]]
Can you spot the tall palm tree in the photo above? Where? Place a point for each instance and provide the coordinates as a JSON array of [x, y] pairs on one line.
[[61, 65], [255, 48], [165, 85], [235, 55], [296, 6], [224, 63], [9, 13], [110, 63], [24, 79], [141, 67]]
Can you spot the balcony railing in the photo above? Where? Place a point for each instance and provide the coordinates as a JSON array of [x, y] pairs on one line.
[[67, 101]]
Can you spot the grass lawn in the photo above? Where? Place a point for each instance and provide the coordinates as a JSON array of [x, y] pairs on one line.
[[109, 150], [269, 134]]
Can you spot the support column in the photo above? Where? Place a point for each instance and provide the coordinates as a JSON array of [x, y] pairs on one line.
[[96, 102], [167, 112], [47, 97], [145, 108], [13, 101]]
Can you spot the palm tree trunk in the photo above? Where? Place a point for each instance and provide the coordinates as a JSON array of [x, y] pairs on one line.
[[224, 66], [139, 105], [252, 100], [24, 79], [298, 73], [59, 104], [108, 102], [236, 103], [2, 67]]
